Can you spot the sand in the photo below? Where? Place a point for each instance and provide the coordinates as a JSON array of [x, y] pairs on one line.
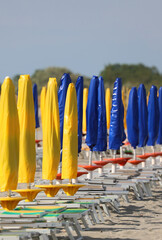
[[137, 220]]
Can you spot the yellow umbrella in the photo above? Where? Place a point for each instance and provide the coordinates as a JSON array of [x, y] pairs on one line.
[[51, 138], [108, 106], [42, 103], [85, 99], [27, 153], [9, 143], [125, 111], [70, 141]]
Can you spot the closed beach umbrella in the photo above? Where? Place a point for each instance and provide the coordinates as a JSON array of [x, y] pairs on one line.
[[101, 144], [85, 99], [159, 139], [64, 83], [108, 106], [92, 113], [79, 92], [116, 133], [153, 117], [125, 110], [35, 97], [70, 135], [9, 137], [51, 133], [142, 116], [27, 154], [42, 103], [132, 118]]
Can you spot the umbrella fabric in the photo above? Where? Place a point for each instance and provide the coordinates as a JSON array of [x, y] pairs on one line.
[[42, 103], [35, 97], [102, 126], [125, 111], [9, 137], [51, 133], [142, 116], [92, 113], [108, 107], [116, 133], [70, 135], [132, 118], [79, 92], [27, 154], [85, 98], [64, 83], [159, 140], [153, 117]]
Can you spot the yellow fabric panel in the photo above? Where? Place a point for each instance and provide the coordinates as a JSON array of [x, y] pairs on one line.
[[27, 155], [125, 111], [108, 106], [85, 99], [51, 133], [42, 103], [9, 137], [70, 135]]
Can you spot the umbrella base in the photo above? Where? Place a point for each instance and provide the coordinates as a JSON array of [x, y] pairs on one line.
[[71, 189], [10, 203], [50, 190], [29, 194], [136, 162]]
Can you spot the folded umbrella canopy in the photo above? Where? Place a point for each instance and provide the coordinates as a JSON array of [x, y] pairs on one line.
[[132, 118], [153, 117], [142, 116], [159, 139], [108, 106], [70, 135], [51, 133], [125, 110], [35, 97], [92, 113], [27, 154], [85, 98], [116, 133], [79, 92], [9, 137], [64, 83], [42, 104], [101, 144]]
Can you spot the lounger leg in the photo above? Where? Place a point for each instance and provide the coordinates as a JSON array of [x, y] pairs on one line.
[[95, 214], [106, 210], [86, 227], [88, 220], [79, 236], [139, 189], [100, 213], [52, 233], [44, 237], [69, 232]]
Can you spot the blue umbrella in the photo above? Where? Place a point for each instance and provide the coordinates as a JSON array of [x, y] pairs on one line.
[[116, 133], [102, 127], [159, 140], [142, 116], [64, 83], [132, 118], [35, 97], [92, 113], [79, 92], [153, 117]]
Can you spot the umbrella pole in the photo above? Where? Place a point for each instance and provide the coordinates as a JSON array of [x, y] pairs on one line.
[[9, 193], [161, 156], [153, 159], [90, 163], [143, 163], [114, 165], [121, 155], [100, 170], [28, 185]]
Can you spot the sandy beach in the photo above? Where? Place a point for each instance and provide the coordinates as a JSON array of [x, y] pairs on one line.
[[137, 220]]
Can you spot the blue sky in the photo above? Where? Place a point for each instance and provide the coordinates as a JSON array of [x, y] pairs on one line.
[[83, 36]]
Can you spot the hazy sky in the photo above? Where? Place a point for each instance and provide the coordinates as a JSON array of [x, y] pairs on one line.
[[83, 36]]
